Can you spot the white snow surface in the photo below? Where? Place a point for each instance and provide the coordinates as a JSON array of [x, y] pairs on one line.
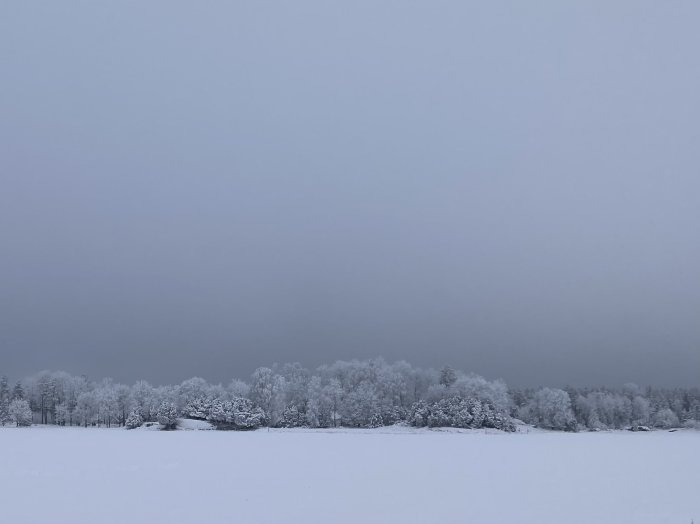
[[193, 425], [86, 476]]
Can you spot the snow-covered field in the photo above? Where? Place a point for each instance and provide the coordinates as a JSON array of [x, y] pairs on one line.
[[75, 475]]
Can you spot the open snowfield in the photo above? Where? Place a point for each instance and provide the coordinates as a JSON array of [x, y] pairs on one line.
[[76, 475]]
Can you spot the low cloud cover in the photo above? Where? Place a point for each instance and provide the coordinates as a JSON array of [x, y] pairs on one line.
[[201, 190]]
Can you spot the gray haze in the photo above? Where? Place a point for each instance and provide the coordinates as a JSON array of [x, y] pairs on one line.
[[200, 188]]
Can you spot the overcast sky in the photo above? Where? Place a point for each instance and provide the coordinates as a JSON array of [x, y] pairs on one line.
[[201, 188]]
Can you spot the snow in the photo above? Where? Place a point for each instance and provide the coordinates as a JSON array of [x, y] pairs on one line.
[[193, 425], [85, 476]]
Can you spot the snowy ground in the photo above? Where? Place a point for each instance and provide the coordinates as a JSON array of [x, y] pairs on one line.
[[75, 475]]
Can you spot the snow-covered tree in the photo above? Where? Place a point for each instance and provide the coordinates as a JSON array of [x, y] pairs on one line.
[[191, 390], [295, 386], [237, 413], [641, 411], [361, 407], [334, 392], [108, 409], [18, 391], [5, 412], [458, 412], [61, 414], [87, 408], [134, 420], [550, 408], [319, 406], [5, 398], [20, 412], [145, 400], [292, 417], [198, 408], [238, 389], [267, 392], [448, 376], [167, 415], [354, 393], [666, 418]]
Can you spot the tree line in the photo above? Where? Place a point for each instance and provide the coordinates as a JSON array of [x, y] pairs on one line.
[[357, 393]]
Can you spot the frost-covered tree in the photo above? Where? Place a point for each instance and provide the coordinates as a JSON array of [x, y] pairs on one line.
[[551, 409], [123, 400], [448, 376], [41, 392], [145, 400], [20, 412], [357, 393], [458, 412], [198, 408], [167, 415], [666, 418], [18, 391], [292, 417], [641, 411], [237, 413], [267, 392], [5, 412], [361, 407], [61, 414], [4, 388], [108, 409], [73, 387], [5, 398], [492, 393], [238, 389], [319, 407], [86, 408], [295, 387], [392, 392], [191, 390], [134, 420]]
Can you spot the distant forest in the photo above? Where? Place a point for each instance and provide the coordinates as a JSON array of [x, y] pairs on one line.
[[357, 393]]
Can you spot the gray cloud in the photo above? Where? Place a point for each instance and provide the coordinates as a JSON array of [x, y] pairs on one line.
[[509, 188]]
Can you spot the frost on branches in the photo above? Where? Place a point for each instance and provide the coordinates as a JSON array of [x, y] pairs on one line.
[[20, 413], [457, 412], [167, 415], [356, 393], [238, 413], [134, 420]]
